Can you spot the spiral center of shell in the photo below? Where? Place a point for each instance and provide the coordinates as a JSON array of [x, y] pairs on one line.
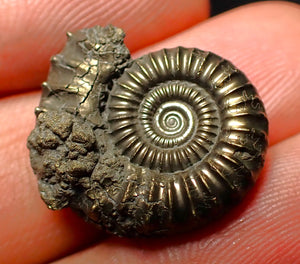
[[169, 124], [168, 127], [174, 119]]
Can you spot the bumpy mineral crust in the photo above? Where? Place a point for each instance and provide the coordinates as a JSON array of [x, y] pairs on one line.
[[157, 145]]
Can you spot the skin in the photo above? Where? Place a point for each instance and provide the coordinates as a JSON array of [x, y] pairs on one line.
[[260, 39]]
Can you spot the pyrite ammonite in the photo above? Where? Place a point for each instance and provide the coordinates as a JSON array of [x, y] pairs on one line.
[[156, 145]]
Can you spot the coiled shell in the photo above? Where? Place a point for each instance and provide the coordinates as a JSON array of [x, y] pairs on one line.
[[179, 138]]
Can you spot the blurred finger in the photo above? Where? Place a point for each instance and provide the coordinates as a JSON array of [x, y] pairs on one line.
[[13, 153], [35, 30]]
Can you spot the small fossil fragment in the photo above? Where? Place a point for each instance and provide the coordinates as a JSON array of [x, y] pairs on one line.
[[157, 145]]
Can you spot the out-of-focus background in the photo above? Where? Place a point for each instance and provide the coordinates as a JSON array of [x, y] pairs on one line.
[[219, 6]]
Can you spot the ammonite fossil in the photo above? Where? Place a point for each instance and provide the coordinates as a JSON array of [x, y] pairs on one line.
[[156, 145]]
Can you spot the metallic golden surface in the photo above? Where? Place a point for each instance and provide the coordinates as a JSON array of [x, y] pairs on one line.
[[158, 145]]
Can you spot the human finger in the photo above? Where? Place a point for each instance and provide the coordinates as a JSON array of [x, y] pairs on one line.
[[35, 30], [24, 112]]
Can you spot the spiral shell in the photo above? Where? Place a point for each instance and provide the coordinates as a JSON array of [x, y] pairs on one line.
[[179, 138]]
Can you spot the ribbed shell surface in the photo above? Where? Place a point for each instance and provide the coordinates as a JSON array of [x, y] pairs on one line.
[[157, 145], [197, 122]]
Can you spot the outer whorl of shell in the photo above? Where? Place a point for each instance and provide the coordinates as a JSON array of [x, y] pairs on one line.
[[179, 138]]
